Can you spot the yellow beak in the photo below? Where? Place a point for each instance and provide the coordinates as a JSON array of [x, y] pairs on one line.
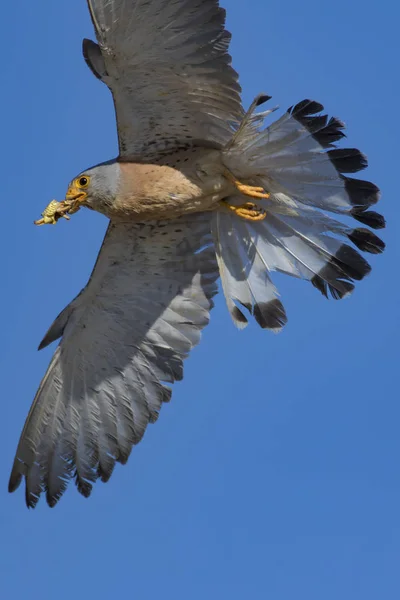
[[74, 193]]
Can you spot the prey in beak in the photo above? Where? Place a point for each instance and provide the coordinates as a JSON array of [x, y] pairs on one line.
[[53, 212], [74, 199]]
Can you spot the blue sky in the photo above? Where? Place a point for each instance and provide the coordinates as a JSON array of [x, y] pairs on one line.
[[274, 472]]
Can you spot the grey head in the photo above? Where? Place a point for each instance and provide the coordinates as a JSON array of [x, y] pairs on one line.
[[96, 187]]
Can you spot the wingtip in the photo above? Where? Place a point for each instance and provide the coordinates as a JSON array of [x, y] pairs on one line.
[[14, 481], [42, 344], [262, 98]]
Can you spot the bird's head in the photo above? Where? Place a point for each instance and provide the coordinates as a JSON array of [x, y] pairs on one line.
[[95, 188]]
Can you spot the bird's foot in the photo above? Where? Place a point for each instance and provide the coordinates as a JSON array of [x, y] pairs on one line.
[[248, 211], [253, 191], [55, 211]]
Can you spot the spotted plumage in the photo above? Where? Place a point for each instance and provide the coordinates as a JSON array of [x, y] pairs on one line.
[[189, 157]]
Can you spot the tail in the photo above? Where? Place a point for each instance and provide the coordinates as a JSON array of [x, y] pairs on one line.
[[296, 161]]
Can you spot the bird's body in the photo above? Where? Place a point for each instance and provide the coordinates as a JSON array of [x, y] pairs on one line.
[[183, 182], [177, 197]]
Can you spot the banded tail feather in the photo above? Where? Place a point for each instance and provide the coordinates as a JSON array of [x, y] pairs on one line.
[[295, 159]]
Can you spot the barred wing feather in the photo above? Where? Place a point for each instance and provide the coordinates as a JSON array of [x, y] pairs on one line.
[[123, 339], [168, 68]]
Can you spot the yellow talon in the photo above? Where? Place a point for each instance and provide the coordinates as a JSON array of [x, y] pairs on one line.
[[248, 211], [253, 191]]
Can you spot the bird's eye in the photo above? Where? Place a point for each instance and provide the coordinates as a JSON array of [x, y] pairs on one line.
[[83, 182]]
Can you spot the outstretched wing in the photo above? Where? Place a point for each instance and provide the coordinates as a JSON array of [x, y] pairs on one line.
[[168, 68], [123, 338]]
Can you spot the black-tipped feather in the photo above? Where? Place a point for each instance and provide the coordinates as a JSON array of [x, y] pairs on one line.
[[319, 282], [270, 315], [369, 217], [345, 160], [238, 315], [367, 241], [262, 98], [325, 132], [331, 133], [303, 109], [351, 263], [337, 275], [348, 160], [361, 193]]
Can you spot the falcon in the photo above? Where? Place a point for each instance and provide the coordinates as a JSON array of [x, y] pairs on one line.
[[201, 190]]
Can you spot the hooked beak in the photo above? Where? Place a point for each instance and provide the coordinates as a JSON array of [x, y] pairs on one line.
[[74, 193]]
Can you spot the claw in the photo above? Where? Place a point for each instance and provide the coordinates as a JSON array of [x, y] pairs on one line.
[[252, 191], [248, 211], [248, 190]]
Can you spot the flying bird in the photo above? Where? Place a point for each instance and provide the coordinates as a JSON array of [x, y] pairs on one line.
[[201, 190]]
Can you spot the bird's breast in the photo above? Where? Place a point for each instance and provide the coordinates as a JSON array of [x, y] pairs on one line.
[[187, 181]]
